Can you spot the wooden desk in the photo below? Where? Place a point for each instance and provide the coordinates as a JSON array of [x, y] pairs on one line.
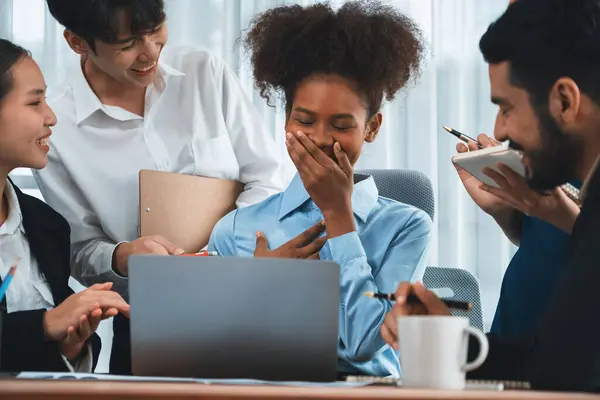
[[29, 389]]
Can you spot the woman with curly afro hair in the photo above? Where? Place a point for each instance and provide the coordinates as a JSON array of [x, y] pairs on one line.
[[333, 69]]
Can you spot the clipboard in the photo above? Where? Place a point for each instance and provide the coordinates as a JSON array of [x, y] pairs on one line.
[[182, 208]]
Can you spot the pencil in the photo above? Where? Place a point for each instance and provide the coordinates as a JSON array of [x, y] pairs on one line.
[[458, 305], [7, 279], [202, 254]]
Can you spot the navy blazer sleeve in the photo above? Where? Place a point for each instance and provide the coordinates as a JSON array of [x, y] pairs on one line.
[[25, 349], [562, 353], [23, 346]]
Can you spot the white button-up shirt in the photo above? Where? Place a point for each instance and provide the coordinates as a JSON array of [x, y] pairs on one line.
[[29, 289], [197, 120]]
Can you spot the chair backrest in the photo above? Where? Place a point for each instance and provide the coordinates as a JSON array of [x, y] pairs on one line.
[[405, 186], [463, 284]]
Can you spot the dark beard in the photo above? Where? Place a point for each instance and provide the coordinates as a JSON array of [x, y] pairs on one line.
[[555, 163]]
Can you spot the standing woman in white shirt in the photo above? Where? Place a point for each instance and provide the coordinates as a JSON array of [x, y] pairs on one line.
[[134, 104], [45, 327]]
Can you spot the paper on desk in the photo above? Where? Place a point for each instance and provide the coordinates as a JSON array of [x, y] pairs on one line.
[[248, 382], [100, 377]]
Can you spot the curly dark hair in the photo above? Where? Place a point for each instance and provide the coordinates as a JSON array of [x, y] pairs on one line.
[[373, 45]]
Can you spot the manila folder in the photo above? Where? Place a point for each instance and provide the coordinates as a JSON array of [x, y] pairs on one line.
[[184, 208]]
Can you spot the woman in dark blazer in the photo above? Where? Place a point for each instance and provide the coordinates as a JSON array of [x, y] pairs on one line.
[[45, 327]]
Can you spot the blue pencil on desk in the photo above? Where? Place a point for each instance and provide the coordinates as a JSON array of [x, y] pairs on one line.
[[7, 279]]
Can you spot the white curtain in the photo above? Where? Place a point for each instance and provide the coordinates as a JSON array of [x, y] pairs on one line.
[[453, 90]]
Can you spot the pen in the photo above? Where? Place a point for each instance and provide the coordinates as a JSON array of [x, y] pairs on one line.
[[202, 254], [7, 279], [466, 138], [458, 305], [462, 136]]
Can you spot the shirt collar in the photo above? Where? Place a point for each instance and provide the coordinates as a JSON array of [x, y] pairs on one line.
[[586, 183], [165, 71], [14, 221], [364, 196], [86, 101]]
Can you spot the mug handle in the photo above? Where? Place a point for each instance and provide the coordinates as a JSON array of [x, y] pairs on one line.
[[483, 349]]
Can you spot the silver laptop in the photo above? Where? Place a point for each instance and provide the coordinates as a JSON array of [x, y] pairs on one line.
[[228, 317]]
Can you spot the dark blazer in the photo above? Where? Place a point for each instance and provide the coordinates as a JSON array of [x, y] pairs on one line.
[[563, 352], [23, 344]]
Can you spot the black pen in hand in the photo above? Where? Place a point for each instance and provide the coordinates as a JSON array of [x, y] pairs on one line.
[[455, 304]]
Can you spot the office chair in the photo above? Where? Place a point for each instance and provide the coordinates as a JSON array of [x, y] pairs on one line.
[[456, 284], [415, 188], [406, 186]]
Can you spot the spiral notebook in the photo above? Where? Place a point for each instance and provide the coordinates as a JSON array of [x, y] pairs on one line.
[[470, 384]]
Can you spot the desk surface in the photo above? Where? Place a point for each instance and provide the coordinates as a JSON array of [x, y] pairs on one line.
[[29, 389]]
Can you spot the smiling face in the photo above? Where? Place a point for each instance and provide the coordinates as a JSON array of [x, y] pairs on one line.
[[25, 119], [328, 109], [132, 59], [551, 156]]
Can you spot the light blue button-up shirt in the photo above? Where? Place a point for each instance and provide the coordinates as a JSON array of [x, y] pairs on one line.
[[389, 246]]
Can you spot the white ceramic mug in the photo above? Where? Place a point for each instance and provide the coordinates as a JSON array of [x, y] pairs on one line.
[[433, 351]]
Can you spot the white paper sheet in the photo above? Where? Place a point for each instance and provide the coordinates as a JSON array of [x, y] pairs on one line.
[[251, 382]]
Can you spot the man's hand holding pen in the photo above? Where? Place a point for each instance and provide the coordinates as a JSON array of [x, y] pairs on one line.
[[488, 202], [428, 304], [554, 207]]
